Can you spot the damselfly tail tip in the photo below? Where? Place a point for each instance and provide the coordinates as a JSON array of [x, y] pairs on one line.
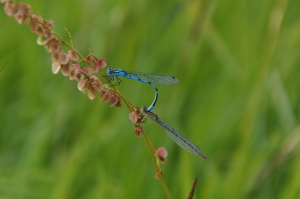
[[202, 156]]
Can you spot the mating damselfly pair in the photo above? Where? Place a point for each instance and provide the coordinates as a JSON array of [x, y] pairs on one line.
[[143, 77], [152, 79]]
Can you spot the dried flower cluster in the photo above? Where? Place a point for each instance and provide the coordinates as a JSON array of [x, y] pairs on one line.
[[21, 12], [68, 63], [135, 116]]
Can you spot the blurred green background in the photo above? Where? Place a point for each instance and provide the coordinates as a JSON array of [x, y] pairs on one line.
[[238, 98]]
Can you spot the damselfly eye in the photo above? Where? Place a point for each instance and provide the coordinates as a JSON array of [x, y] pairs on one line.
[[109, 71]]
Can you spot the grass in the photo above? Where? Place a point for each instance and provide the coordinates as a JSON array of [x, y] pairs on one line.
[[237, 98]]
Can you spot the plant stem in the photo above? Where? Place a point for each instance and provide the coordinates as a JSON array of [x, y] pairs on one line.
[[156, 166]]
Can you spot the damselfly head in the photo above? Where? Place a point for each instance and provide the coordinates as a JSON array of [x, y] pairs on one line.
[[109, 71], [143, 109]]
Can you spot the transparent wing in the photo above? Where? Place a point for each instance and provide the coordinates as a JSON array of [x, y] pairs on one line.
[[154, 78], [180, 139], [177, 137]]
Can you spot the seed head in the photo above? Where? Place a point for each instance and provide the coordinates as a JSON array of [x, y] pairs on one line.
[[73, 55], [55, 68], [162, 154], [138, 130], [113, 100], [105, 95]]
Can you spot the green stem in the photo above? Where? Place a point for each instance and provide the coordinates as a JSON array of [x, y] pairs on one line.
[[156, 166], [70, 46]]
